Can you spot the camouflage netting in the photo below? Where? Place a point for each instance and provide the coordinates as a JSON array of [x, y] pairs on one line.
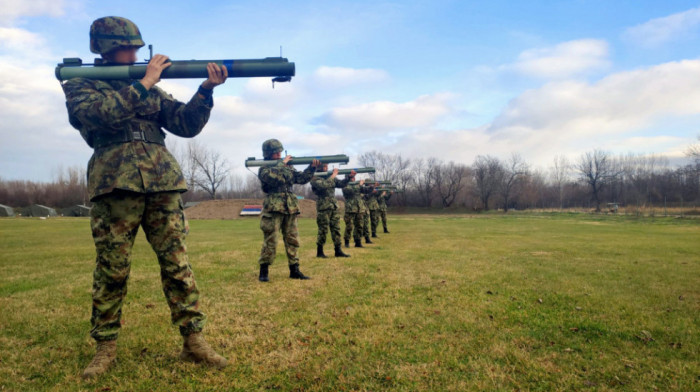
[[39, 210], [77, 210], [6, 211]]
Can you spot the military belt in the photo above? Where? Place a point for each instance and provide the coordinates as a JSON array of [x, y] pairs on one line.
[[147, 135]]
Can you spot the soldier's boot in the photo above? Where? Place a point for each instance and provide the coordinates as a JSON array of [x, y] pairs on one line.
[[367, 240], [294, 273], [358, 244], [374, 235], [263, 273], [347, 243], [319, 252], [339, 252], [105, 356], [196, 349], [385, 230]]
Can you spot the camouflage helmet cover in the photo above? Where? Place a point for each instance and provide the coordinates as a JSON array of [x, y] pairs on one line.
[[111, 32], [270, 147]]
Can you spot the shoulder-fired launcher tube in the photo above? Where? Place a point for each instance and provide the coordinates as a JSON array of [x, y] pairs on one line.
[[370, 182], [347, 171], [269, 66], [395, 190], [340, 158]]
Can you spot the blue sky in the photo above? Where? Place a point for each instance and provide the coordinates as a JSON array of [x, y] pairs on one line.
[[446, 79]]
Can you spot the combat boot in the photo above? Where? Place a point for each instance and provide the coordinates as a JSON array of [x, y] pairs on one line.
[[347, 243], [374, 235], [319, 252], [294, 273], [367, 240], [358, 244], [105, 356], [263, 273], [339, 252], [196, 349], [385, 230]]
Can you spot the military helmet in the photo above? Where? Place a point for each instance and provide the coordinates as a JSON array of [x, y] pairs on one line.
[[111, 32], [270, 147]]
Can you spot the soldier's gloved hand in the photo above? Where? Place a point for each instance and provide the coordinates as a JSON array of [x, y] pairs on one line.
[[217, 75], [154, 69], [287, 159]]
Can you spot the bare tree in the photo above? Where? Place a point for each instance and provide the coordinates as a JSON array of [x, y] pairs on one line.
[[597, 170], [211, 169], [449, 179], [560, 175], [487, 171], [424, 179], [513, 171]]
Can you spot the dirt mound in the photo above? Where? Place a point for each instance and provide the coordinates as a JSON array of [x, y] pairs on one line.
[[231, 209]]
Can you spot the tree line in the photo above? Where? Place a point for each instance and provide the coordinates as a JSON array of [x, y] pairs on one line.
[[593, 181]]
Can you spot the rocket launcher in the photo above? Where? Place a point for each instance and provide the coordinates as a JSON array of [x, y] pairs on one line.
[[340, 158], [347, 171]]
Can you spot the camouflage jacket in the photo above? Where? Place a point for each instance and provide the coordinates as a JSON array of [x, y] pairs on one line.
[[276, 182], [373, 201], [324, 188], [382, 201], [104, 110], [353, 198]]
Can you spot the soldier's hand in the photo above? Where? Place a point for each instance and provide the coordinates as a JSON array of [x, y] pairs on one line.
[[217, 75], [335, 173], [316, 163], [287, 159], [362, 182], [154, 69], [353, 173]]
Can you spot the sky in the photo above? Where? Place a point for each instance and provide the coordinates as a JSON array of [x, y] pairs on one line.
[[446, 79]]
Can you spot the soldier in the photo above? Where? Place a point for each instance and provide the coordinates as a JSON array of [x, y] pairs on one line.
[[280, 208], [354, 208], [373, 207], [327, 210], [134, 181], [365, 211], [383, 198]]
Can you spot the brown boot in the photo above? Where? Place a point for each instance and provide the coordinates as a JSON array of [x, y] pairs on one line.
[[104, 357], [196, 349]]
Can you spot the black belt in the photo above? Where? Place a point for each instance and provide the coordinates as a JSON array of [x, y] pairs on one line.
[[148, 135]]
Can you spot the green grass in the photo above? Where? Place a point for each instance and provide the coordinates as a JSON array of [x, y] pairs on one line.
[[443, 303]]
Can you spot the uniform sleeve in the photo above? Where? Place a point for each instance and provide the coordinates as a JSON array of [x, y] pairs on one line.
[[186, 120], [305, 176], [342, 183], [276, 176]]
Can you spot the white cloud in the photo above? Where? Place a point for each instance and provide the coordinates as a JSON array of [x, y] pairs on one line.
[[661, 30], [387, 116], [14, 9], [336, 77], [564, 60]]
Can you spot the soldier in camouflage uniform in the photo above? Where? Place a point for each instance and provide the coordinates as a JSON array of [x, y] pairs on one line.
[[354, 209], [367, 191], [134, 181], [373, 206], [383, 198], [327, 210], [280, 208]]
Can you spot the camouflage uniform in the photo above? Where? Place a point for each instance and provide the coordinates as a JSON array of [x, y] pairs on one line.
[[280, 210], [354, 209], [134, 181], [327, 208], [373, 207], [382, 208]]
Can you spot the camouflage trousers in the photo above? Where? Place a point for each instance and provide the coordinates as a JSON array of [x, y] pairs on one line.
[[115, 220], [374, 219], [353, 224], [270, 224], [365, 224], [382, 214], [326, 219]]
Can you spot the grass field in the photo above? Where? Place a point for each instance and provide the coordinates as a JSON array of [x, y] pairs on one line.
[[443, 303]]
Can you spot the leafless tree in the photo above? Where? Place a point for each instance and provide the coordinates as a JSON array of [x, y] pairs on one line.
[[487, 171], [449, 179], [560, 175], [514, 170], [597, 170], [211, 168], [423, 179]]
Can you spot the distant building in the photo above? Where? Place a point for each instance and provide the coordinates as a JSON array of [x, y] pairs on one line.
[[6, 211], [39, 210], [77, 210]]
